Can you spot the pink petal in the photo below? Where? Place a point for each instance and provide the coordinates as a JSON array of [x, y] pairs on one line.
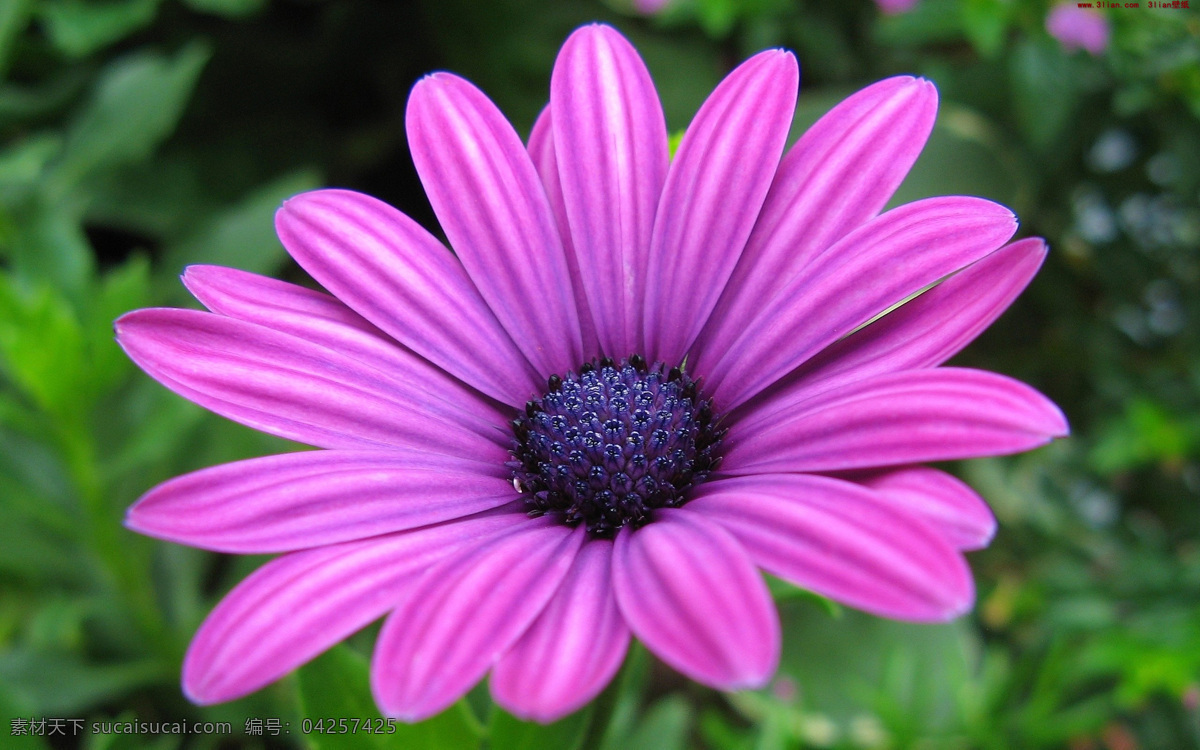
[[892, 7], [491, 204], [650, 6], [465, 614], [289, 387], [298, 605], [878, 265], [689, 591], [838, 175], [299, 500], [944, 502], [541, 150], [396, 275], [1078, 28], [841, 541], [607, 113], [902, 418], [273, 303], [325, 321], [712, 197], [930, 329], [572, 650]]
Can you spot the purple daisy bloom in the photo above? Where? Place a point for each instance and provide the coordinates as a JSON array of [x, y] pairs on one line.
[[649, 6], [893, 7], [1078, 28], [636, 382]]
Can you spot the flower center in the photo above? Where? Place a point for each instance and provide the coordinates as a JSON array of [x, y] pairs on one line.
[[609, 445]]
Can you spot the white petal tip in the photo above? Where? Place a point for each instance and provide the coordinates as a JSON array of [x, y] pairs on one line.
[[202, 692], [981, 537], [755, 681], [1062, 428], [134, 521], [541, 714], [408, 715], [960, 609], [198, 698]]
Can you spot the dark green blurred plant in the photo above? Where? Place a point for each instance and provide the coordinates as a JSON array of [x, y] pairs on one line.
[[142, 135]]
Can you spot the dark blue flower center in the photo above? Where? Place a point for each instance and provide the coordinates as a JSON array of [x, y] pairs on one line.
[[607, 446]]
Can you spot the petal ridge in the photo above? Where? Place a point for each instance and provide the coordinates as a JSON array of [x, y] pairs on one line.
[[909, 417], [606, 108], [464, 614], [302, 603], [839, 174], [285, 386], [843, 541], [572, 650], [392, 272], [689, 591], [298, 500], [505, 233], [874, 267], [712, 196]]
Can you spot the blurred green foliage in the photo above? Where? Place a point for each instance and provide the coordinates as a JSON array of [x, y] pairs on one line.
[[142, 135]]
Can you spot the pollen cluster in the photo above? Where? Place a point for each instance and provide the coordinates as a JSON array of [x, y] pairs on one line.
[[607, 446]]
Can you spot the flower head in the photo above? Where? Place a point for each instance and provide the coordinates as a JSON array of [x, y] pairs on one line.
[[894, 7], [649, 7], [636, 382], [1078, 28]]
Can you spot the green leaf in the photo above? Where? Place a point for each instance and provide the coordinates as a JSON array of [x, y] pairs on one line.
[[966, 155], [135, 106], [1044, 88], [782, 591], [717, 17], [720, 732], [985, 22], [336, 685], [506, 732], [673, 141], [664, 727], [15, 709], [47, 245], [147, 426], [62, 364], [687, 63], [22, 163], [928, 22], [41, 348], [33, 480], [29, 553], [121, 290], [44, 99], [1146, 434], [55, 684], [859, 662], [244, 235], [227, 8], [14, 15], [131, 741], [626, 695], [79, 27]]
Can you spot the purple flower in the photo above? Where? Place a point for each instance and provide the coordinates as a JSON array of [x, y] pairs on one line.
[[893, 7], [1078, 28], [636, 382], [649, 7]]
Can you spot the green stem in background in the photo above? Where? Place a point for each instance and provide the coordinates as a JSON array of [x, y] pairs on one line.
[[120, 559], [615, 710]]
